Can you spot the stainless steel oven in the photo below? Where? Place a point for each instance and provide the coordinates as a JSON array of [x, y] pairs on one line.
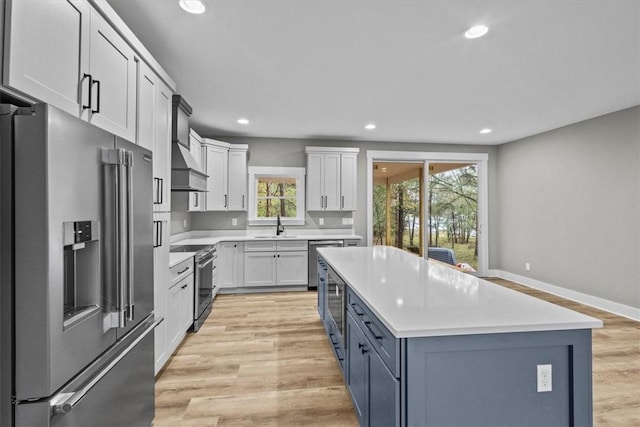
[[205, 260], [336, 303]]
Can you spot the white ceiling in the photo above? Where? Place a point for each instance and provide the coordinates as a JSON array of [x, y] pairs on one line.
[[323, 68]]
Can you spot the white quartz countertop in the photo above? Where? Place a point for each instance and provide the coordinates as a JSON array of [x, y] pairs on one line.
[[212, 240], [176, 258], [414, 297]]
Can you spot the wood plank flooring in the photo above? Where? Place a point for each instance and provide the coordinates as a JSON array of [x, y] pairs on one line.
[[264, 360], [258, 360]]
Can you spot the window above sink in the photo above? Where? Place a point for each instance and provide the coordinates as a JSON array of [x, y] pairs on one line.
[[276, 191]]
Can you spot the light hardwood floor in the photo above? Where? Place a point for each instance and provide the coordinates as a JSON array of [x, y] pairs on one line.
[[264, 360]]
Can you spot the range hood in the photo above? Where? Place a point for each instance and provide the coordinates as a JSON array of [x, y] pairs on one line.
[[185, 170]]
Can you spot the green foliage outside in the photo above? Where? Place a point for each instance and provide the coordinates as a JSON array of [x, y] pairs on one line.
[[277, 196], [452, 205]]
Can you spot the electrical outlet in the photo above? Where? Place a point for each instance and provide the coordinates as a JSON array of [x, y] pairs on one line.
[[234, 221], [527, 266], [184, 223], [347, 221], [320, 221], [544, 378]]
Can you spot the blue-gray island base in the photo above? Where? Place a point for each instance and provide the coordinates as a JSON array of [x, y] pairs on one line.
[[403, 372]]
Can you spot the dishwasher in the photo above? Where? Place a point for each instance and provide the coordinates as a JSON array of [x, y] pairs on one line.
[[313, 258]]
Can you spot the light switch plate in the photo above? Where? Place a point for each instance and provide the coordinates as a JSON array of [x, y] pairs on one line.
[[347, 221]]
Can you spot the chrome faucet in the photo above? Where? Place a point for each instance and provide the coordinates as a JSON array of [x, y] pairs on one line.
[[279, 227]]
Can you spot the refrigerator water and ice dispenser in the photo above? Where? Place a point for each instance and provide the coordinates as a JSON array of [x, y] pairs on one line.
[[81, 271]]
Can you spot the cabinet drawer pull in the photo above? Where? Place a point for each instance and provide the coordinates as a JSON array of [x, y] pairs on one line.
[[356, 309], [370, 327], [185, 269]]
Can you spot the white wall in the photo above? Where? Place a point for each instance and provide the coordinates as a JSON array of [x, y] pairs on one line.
[[569, 204]]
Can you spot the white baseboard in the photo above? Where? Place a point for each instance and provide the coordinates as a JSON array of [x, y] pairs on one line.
[[600, 303]]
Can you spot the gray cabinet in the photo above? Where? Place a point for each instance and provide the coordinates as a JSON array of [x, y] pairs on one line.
[[483, 379], [374, 389]]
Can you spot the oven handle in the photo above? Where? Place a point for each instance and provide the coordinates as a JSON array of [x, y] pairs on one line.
[[209, 261]]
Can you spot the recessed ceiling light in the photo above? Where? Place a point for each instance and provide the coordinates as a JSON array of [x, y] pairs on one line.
[[243, 121], [193, 6], [485, 131], [476, 31], [370, 126]]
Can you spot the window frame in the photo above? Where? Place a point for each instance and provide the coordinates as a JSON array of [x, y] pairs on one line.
[[256, 172]]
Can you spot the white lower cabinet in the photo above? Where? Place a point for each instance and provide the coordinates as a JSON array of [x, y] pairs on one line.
[[275, 263], [292, 268], [180, 309], [177, 308], [160, 278], [230, 265], [260, 269]]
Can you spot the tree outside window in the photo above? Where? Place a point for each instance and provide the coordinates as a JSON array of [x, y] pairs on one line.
[[276, 196], [276, 191]]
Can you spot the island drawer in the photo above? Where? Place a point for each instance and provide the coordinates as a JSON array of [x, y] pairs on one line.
[[385, 343]]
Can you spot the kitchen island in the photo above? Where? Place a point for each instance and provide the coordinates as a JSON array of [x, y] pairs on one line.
[[425, 345]]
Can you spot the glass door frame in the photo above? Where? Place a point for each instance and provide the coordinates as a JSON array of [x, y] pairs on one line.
[[479, 159]]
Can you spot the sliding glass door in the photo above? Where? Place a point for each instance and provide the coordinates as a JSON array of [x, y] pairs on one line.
[[430, 204]]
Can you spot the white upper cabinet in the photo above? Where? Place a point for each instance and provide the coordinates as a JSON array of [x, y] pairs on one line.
[[348, 181], [217, 181], [162, 149], [48, 46], [112, 68], [237, 179], [331, 178], [64, 53], [146, 106], [227, 169]]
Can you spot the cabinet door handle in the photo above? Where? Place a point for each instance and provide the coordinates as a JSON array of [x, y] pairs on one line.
[[196, 200], [161, 190], [326, 202], [321, 201], [341, 202], [90, 86], [225, 200], [243, 201], [97, 110]]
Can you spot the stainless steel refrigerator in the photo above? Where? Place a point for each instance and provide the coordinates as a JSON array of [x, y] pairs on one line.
[[77, 266]]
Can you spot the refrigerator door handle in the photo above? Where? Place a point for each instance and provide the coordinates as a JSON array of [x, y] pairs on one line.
[[117, 158], [64, 402], [129, 167]]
